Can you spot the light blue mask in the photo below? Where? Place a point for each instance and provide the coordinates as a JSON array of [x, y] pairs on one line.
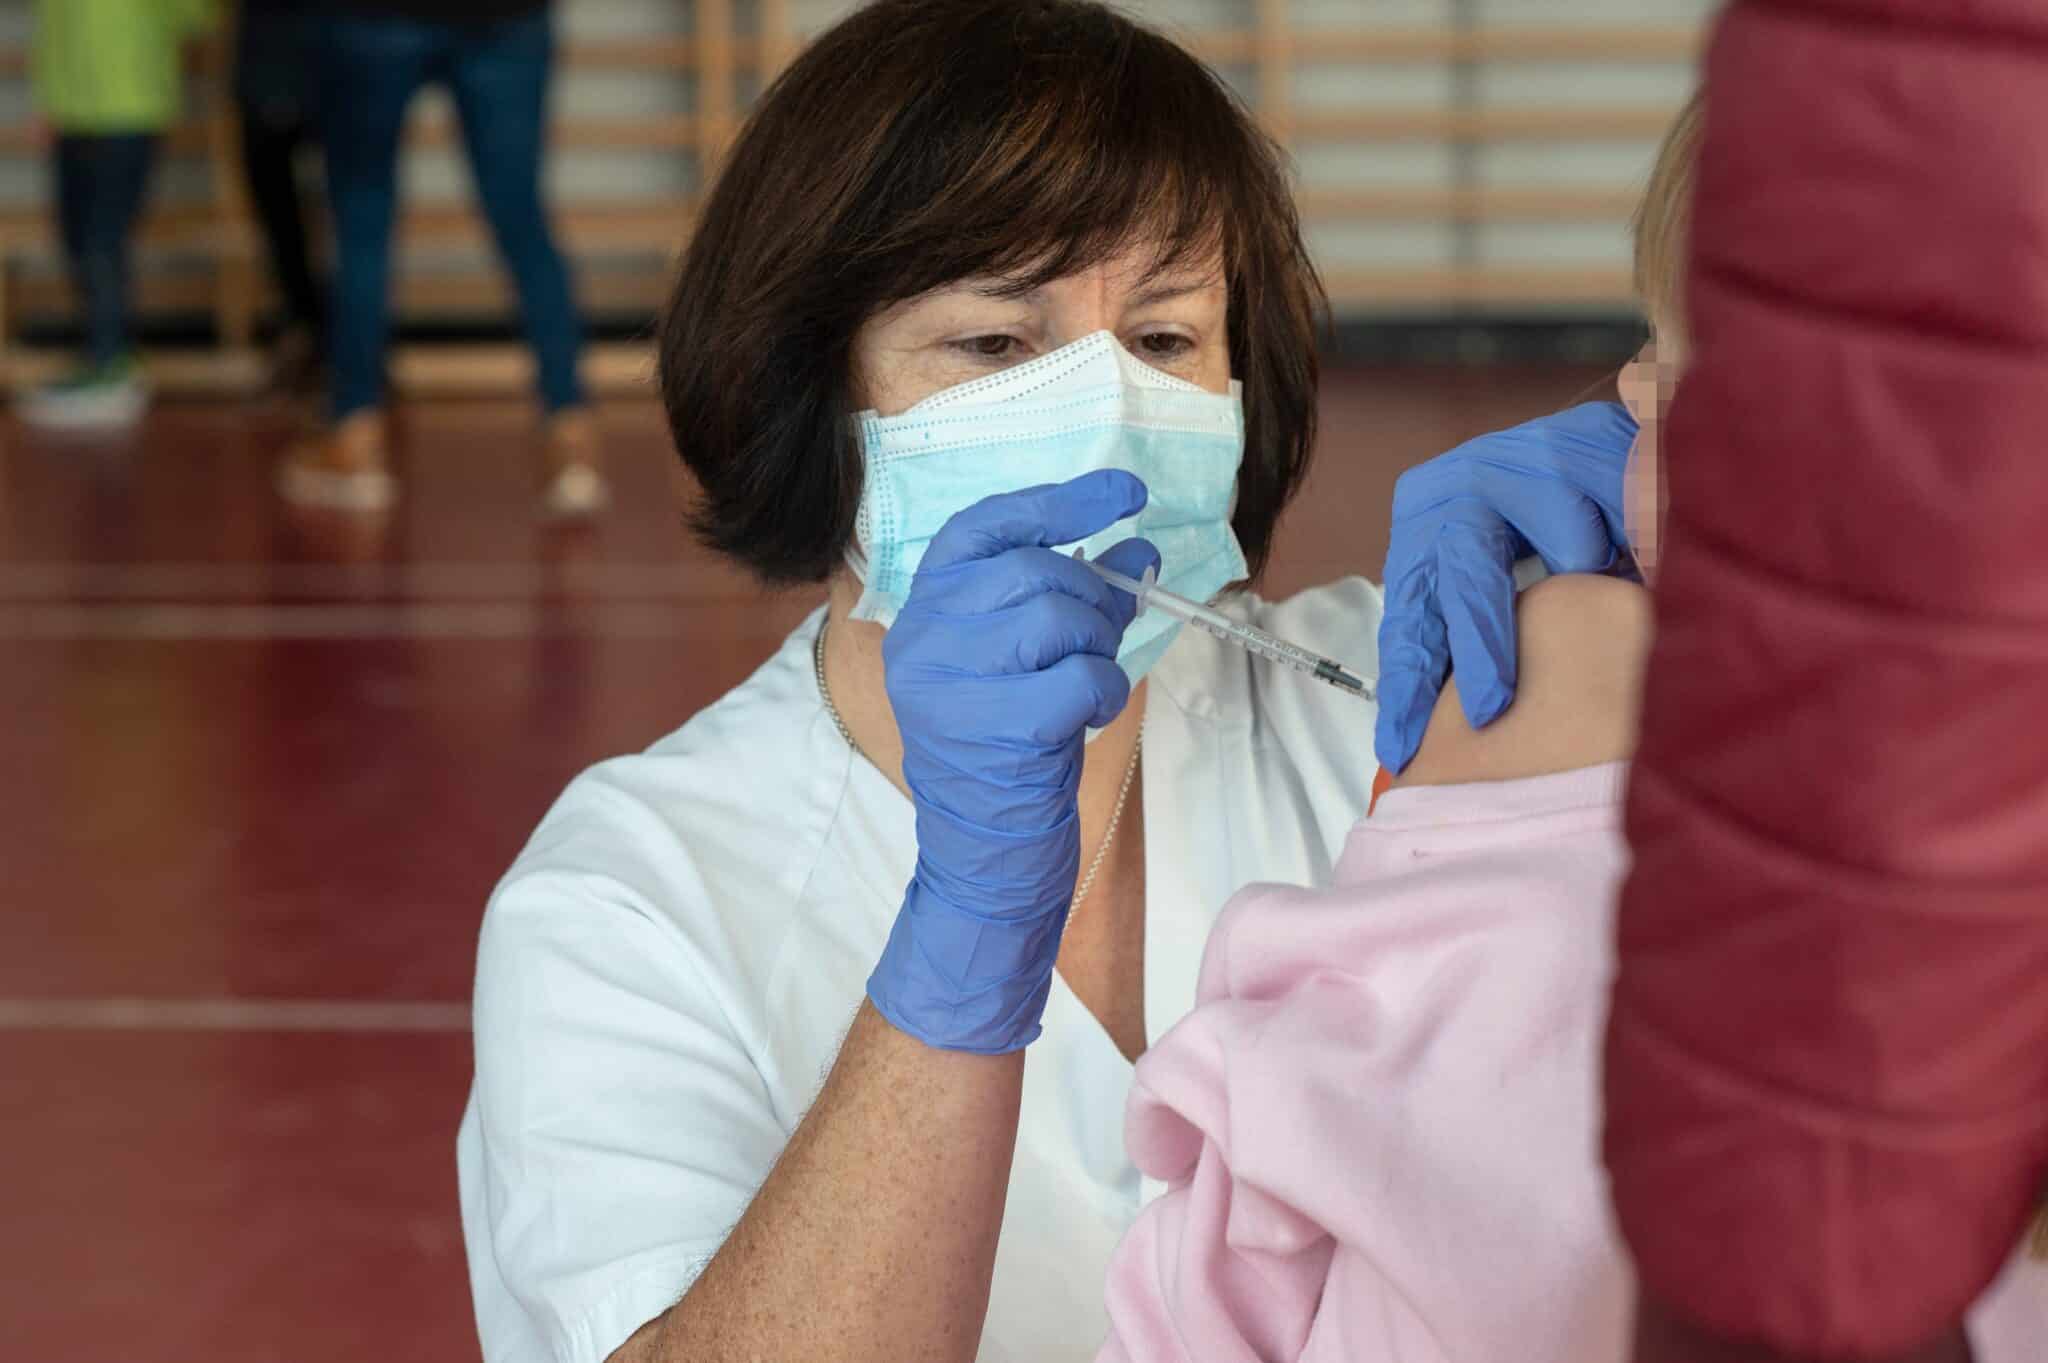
[[1090, 405]]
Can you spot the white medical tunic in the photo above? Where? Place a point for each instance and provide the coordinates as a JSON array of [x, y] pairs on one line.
[[668, 969]]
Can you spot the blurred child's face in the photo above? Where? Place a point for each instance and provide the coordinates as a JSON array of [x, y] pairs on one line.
[[1647, 385]]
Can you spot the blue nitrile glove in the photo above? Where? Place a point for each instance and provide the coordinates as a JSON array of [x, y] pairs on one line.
[[1002, 657], [1552, 487]]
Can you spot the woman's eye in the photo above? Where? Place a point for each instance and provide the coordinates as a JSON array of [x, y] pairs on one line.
[[992, 347], [1164, 345]]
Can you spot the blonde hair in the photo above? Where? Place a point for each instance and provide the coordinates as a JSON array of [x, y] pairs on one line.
[[1663, 218]]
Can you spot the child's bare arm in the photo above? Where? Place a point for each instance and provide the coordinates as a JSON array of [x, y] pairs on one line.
[[1583, 644]]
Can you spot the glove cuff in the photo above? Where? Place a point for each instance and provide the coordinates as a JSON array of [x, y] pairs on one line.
[[958, 981]]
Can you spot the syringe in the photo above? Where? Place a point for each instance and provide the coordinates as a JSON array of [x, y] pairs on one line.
[[1149, 593]]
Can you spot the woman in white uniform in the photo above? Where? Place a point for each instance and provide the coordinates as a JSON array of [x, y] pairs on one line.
[[1025, 240]]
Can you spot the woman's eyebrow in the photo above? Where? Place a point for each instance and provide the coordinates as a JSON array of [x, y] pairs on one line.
[[1156, 291], [1162, 290], [997, 287]]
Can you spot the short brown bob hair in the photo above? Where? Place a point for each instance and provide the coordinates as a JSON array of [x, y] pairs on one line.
[[921, 142]]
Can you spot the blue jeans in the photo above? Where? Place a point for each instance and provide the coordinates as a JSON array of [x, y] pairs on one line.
[[102, 179], [498, 73]]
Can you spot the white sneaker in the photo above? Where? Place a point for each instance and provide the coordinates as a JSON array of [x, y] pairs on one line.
[[577, 490], [576, 486], [342, 470], [307, 484], [109, 397]]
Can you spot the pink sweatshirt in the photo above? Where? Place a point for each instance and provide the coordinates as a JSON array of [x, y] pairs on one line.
[[1379, 1127]]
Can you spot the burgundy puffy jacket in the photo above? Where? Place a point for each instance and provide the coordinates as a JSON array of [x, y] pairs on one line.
[[1827, 1070]]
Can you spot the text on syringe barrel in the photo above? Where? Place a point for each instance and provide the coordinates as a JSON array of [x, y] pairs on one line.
[[1279, 650]]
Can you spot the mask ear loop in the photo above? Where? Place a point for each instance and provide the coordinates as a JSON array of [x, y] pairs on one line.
[[856, 555]]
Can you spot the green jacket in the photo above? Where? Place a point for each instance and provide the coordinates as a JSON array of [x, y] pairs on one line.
[[113, 66]]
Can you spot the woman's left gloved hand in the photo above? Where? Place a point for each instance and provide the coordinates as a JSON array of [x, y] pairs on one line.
[[1551, 487], [1002, 658]]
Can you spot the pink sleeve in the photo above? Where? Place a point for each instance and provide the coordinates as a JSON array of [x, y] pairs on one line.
[[1211, 1270], [1385, 1095]]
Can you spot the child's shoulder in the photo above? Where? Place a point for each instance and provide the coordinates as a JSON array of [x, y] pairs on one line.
[[1583, 642]]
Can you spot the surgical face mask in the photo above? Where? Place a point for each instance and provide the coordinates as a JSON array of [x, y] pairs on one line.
[[1090, 405]]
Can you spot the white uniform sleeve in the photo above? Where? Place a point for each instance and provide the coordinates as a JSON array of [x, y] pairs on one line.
[[622, 1127]]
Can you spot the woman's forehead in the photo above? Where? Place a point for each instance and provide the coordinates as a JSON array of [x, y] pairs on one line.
[[1139, 274]]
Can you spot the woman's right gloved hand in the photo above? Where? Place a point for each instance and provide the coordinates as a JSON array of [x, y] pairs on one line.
[[1002, 657]]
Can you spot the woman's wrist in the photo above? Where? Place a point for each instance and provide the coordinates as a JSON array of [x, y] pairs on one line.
[[962, 981]]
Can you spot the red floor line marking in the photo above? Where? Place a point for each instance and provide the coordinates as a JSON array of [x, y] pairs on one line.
[[230, 1015]]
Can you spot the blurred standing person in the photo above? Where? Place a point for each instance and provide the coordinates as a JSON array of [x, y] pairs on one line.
[[495, 57], [275, 88], [108, 84]]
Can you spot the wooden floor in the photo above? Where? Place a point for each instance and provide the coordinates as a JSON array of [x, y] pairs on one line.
[[259, 774]]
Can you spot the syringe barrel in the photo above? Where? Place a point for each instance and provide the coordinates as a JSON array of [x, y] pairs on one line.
[[1281, 649]]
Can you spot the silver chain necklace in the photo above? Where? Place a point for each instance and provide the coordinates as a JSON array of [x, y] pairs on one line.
[[1116, 815]]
